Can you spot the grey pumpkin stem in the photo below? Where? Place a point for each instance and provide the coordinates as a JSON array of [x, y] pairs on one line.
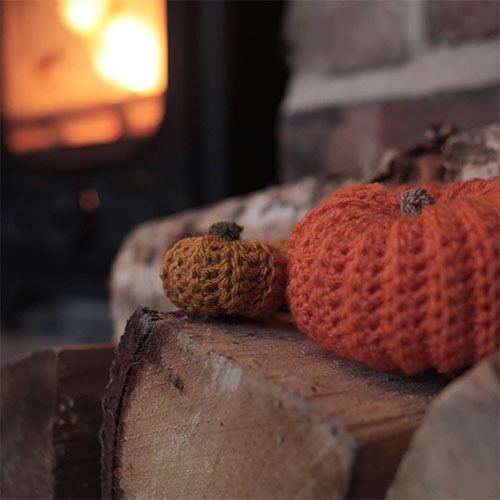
[[228, 231], [414, 200]]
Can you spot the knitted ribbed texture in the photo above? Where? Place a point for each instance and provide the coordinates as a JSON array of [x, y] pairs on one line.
[[400, 291], [209, 276]]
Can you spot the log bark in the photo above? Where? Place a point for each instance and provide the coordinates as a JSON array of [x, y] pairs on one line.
[[50, 419], [455, 453], [472, 154], [240, 409]]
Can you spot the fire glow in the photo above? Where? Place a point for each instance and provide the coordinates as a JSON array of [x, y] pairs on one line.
[[128, 49], [82, 15], [103, 60], [130, 55]]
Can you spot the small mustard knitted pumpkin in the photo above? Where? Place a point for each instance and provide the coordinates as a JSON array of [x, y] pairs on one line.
[[401, 278], [218, 274]]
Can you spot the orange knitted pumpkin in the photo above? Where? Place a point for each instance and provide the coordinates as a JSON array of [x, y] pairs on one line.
[[218, 274], [407, 290]]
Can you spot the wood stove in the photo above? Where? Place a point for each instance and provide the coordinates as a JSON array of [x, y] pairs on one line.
[[81, 170]]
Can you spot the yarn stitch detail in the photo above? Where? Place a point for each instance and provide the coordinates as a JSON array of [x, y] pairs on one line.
[[209, 276], [396, 291]]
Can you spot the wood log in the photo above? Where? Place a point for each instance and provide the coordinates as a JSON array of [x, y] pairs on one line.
[[242, 409], [455, 452], [50, 419], [473, 154]]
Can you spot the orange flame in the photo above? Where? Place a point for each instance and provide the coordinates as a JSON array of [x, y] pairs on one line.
[[95, 71], [126, 41], [82, 16], [130, 55]]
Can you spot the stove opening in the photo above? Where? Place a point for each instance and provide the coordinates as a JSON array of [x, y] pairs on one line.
[[82, 72]]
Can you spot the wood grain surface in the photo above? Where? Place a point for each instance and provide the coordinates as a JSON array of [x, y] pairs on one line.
[[51, 414], [455, 452], [240, 409]]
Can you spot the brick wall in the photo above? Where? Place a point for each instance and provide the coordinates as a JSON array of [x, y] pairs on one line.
[[367, 75]]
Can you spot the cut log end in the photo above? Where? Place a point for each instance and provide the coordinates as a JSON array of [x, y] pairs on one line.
[[455, 452], [250, 409], [50, 421]]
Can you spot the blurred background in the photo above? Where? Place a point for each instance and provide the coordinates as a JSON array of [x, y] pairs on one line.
[[115, 112]]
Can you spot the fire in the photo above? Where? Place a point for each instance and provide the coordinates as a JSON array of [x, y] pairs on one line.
[[126, 49], [86, 72], [82, 15], [130, 55]]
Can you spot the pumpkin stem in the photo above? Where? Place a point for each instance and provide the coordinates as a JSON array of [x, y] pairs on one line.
[[414, 200], [228, 231]]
